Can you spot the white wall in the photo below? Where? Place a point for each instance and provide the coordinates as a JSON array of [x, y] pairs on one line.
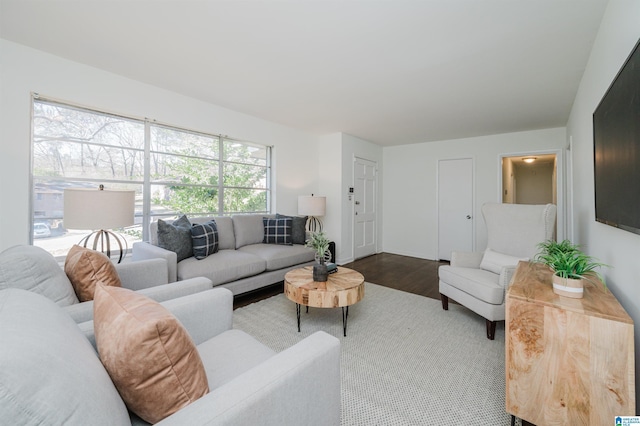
[[24, 70], [534, 183], [619, 32], [410, 185]]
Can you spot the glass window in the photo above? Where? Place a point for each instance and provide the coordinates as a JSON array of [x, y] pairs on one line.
[[182, 171]]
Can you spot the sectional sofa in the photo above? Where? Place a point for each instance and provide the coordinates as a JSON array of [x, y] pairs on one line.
[[243, 261]]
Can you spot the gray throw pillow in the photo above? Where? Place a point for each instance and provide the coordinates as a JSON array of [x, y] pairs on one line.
[[176, 237], [298, 228]]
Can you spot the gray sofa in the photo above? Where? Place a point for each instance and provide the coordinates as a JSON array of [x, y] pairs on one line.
[[243, 262], [51, 374], [34, 269]]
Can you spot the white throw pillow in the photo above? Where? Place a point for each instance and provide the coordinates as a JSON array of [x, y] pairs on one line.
[[494, 261]]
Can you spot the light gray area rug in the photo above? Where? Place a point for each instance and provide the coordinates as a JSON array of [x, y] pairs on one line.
[[405, 361]]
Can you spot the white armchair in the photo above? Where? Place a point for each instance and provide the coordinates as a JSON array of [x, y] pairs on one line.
[[478, 280]]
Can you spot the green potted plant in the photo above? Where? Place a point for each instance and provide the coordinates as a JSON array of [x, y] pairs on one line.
[[320, 243], [571, 267]]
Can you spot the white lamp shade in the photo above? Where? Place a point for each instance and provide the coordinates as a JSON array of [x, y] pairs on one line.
[[309, 205], [95, 209]]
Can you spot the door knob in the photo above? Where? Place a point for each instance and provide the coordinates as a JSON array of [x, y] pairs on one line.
[[357, 203], [468, 216]]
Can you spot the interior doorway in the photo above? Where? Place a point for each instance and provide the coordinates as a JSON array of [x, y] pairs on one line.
[[533, 179], [530, 179]]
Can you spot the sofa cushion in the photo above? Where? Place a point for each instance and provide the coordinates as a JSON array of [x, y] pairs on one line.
[[226, 237], [205, 239], [277, 231], [223, 267], [230, 354], [298, 228], [481, 284], [248, 229], [149, 355], [49, 372], [33, 268], [280, 256], [85, 268], [494, 261]]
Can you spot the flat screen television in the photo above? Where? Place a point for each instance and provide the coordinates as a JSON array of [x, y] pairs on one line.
[[616, 145]]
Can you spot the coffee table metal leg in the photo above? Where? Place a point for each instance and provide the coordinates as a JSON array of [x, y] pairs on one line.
[[298, 307], [345, 315]]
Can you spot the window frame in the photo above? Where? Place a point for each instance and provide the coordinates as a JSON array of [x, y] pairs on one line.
[[145, 216]]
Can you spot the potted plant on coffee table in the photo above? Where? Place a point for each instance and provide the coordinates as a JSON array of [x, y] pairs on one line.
[[571, 267], [320, 243]]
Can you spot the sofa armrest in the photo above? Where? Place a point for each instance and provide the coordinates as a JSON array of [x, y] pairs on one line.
[[204, 315], [466, 259], [142, 250], [177, 289], [143, 273], [283, 390], [81, 312]]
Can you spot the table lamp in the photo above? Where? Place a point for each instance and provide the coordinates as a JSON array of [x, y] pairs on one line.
[[99, 210], [312, 206]]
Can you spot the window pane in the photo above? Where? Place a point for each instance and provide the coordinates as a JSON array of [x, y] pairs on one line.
[[175, 141], [53, 122], [243, 152], [244, 200], [185, 170], [177, 199], [79, 160], [241, 175]]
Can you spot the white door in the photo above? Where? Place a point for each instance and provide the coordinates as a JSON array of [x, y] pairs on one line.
[[455, 206], [364, 208]]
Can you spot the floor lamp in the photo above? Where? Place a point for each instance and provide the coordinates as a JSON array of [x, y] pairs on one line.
[[313, 207], [99, 210]]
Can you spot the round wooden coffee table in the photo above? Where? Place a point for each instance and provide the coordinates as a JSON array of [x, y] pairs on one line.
[[342, 289]]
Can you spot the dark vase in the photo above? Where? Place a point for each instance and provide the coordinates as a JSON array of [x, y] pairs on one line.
[[320, 273]]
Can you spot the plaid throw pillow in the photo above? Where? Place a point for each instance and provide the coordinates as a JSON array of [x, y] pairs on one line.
[[277, 231], [205, 239]]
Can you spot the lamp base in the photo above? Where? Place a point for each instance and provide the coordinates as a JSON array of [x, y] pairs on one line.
[[104, 238], [314, 224]]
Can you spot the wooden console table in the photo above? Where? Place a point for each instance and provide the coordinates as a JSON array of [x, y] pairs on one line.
[[568, 361]]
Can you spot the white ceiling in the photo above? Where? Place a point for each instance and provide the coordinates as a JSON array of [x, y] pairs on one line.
[[392, 72]]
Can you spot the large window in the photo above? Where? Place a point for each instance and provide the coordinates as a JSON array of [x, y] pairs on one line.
[[172, 170]]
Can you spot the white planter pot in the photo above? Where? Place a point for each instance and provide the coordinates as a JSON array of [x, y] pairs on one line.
[[568, 287]]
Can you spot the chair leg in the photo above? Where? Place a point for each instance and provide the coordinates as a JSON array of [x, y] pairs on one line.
[[491, 329], [445, 301]]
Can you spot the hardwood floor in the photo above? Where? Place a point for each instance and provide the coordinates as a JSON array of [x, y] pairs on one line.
[[410, 274]]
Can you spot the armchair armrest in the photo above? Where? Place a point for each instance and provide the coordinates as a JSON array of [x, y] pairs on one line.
[[143, 273], [142, 250], [204, 315], [506, 274], [466, 259], [292, 381]]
